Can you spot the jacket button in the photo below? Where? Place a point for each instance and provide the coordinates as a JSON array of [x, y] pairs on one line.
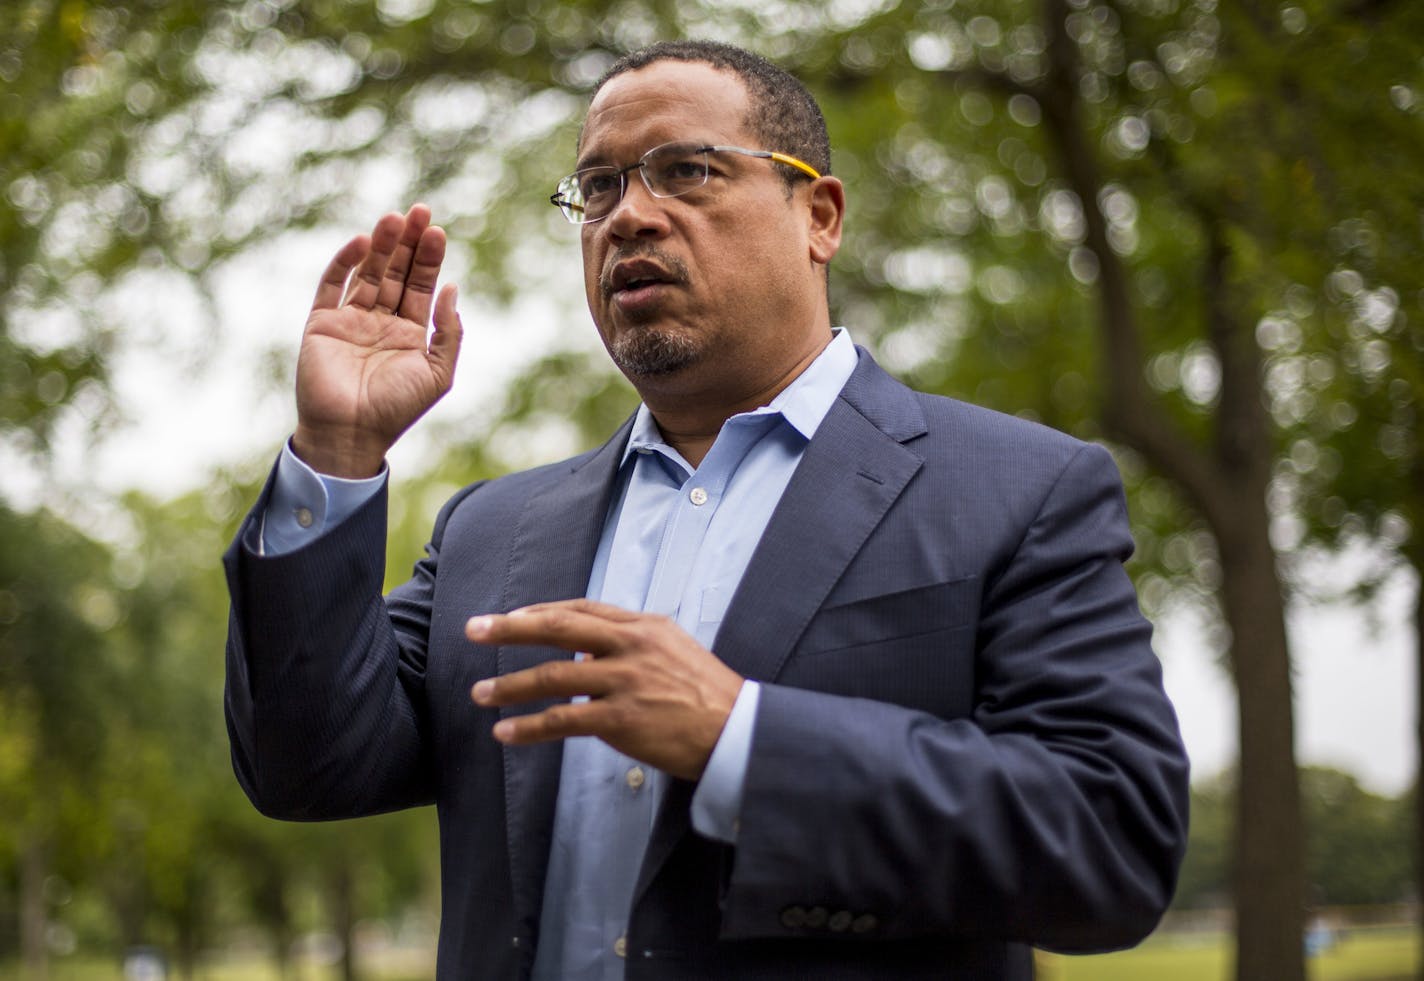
[[793, 917], [840, 921], [864, 923], [816, 917]]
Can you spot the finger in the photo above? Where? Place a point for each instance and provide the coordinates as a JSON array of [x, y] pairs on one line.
[[557, 625], [393, 282], [552, 679], [333, 279], [560, 721], [366, 286], [445, 342], [418, 280], [606, 611]]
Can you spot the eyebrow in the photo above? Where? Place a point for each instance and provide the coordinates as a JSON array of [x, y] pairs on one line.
[[601, 159], [592, 160]]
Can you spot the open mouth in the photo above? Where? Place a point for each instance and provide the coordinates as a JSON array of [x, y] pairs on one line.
[[634, 275]]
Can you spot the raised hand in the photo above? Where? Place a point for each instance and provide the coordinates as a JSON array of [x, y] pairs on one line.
[[366, 370]]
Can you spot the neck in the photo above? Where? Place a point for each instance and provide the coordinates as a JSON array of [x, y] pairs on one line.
[[690, 422]]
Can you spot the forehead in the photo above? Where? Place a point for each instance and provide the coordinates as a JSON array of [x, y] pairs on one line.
[[665, 101]]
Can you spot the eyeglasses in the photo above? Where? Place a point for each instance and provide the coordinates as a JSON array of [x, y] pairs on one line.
[[668, 171]]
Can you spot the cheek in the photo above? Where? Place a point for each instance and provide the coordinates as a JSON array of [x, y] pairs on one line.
[[592, 264]]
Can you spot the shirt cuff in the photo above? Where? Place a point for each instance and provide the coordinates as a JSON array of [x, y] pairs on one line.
[[305, 503], [717, 802]]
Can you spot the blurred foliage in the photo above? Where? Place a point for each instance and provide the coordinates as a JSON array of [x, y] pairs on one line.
[[1258, 161], [122, 822], [1358, 849]]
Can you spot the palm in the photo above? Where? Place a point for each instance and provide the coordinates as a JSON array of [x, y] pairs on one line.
[[366, 370]]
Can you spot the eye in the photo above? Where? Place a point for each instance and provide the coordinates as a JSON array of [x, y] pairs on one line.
[[597, 182], [677, 171]]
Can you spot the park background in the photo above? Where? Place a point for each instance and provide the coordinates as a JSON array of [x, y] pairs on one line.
[[1188, 228]]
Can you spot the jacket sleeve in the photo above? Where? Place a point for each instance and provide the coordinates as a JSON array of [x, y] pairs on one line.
[[1054, 813], [325, 678]]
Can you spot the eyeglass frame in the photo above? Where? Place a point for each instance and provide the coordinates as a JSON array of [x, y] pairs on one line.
[[567, 207]]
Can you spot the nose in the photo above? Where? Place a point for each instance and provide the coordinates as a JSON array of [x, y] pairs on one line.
[[638, 214]]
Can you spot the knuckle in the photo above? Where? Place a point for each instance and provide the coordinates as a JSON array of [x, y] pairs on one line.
[[557, 718], [549, 672]]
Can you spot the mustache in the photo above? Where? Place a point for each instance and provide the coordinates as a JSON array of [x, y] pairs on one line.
[[673, 266]]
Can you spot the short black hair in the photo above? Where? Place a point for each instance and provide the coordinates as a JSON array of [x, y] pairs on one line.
[[784, 114]]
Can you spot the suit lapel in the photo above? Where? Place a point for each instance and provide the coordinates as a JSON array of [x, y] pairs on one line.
[[552, 555], [853, 470]]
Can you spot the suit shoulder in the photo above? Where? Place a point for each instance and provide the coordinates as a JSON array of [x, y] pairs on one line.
[[970, 426]]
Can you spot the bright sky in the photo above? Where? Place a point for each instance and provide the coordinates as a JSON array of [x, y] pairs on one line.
[[193, 397]]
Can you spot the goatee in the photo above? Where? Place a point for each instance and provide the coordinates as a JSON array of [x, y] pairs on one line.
[[646, 352]]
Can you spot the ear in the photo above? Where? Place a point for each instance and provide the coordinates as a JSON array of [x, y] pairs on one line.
[[827, 210]]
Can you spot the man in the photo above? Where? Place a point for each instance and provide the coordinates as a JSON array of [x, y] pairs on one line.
[[932, 732]]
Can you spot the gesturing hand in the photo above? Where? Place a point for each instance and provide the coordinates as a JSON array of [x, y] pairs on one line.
[[655, 694], [365, 371]]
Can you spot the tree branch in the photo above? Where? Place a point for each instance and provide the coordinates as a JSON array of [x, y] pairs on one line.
[[1129, 413]]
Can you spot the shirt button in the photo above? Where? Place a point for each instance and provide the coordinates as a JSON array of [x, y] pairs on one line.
[[698, 496], [620, 946], [635, 777], [304, 517]]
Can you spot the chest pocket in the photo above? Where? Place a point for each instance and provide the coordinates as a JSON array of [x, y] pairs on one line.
[[914, 647]]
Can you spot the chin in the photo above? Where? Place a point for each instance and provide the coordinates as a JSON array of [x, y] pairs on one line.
[[650, 353]]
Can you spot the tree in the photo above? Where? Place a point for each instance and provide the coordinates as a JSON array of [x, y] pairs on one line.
[[1356, 842], [1128, 201], [56, 600], [1136, 219]]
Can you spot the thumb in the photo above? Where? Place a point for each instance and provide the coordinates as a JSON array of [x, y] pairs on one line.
[[445, 342]]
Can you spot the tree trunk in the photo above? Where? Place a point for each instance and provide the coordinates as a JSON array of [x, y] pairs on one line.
[[1227, 484], [1268, 866], [275, 913], [34, 953], [343, 915], [1416, 556]]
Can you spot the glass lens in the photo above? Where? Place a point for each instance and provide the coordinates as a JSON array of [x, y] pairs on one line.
[[591, 193], [568, 199], [675, 168]]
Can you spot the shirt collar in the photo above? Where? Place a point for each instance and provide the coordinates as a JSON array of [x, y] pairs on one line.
[[803, 404]]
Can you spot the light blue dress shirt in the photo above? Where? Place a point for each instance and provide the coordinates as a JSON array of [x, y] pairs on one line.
[[676, 542]]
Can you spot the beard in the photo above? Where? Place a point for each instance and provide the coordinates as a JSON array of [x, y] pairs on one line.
[[650, 351], [647, 349]]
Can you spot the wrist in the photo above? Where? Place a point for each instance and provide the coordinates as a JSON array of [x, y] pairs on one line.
[[348, 456]]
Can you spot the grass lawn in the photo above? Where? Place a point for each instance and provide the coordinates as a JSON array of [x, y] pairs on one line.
[[1363, 955], [82, 968], [1383, 954]]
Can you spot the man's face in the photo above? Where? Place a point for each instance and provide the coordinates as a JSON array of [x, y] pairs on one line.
[[711, 291]]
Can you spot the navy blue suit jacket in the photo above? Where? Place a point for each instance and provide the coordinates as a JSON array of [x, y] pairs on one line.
[[962, 747]]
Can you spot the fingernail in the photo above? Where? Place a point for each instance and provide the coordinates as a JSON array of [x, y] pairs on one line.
[[478, 626], [482, 691], [503, 730]]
